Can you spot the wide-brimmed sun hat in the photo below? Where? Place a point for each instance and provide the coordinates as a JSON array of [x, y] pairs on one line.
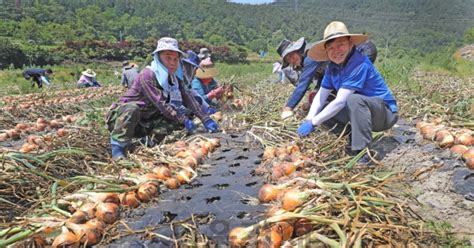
[[204, 53], [192, 59], [285, 47], [207, 69], [333, 30], [167, 43], [89, 73]]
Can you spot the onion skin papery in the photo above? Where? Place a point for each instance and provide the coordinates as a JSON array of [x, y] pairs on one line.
[[459, 149], [79, 217], [269, 152], [268, 193], [302, 227], [162, 172], [129, 199], [184, 176], [87, 233], [466, 138], [269, 239], [107, 212], [468, 154], [444, 138], [147, 191], [172, 183], [470, 163], [66, 238]]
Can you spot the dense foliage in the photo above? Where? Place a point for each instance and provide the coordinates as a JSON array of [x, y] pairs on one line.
[[422, 25]]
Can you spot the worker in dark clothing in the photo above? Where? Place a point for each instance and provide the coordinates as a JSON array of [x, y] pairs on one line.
[[38, 76]]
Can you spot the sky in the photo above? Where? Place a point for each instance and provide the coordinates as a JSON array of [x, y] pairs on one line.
[[252, 1]]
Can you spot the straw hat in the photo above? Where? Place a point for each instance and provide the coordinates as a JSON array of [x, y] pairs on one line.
[[333, 30], [207, 69], [167, 43], [89, 73], [287, 47]]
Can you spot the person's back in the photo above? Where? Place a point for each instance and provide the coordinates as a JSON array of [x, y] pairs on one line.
[[128, 76], [369, 49], [38, 76]]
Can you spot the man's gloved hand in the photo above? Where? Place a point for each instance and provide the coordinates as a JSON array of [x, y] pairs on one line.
[[189, 125], [211, 126], [305, 128], [215, 93], [286, 113]]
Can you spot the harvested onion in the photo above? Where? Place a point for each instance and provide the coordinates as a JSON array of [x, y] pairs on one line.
[[269, 152], [468, 154], [293, 199], [66, 239], [147, 191], [107, 212], [466, 139], [61, 132], [268, 193], [129, 199], [444, 138], [162, 172], [459, 149], [238, 236], [172, 183], [284, 229]]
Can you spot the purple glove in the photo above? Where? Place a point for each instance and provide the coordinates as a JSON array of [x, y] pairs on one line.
[[189, 125], [211, 126]]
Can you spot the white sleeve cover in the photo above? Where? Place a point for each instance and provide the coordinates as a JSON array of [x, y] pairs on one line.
[[333, 107], [318, 102]]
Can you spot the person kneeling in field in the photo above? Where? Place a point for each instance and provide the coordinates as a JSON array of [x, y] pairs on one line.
[[88, 79], [157, 101], [363, 98], [204, 82]]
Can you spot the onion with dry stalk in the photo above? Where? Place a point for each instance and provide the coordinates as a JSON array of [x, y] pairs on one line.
[[283, 228], [267, 238], [294, 198], [79, 217], [303, 226], [61, 132], [269, 153], [268, 193]]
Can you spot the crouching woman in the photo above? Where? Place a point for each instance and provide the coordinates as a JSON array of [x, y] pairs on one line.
[[157, 101]]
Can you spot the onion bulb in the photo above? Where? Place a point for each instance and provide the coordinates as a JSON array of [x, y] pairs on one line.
[[61, 132], [86, 233], [238, 236], [41, 120], [12, 133], [26, 148], [292, 149], [269, 153], [468, 154], [426, 131], [268, 193], [66, 238], [288, 167], [466, 139], [147, 191], [269, 239], [284, 229], [184, 176], [129, 199], [162, 172], [172, 183], [109, 197], [215, 142], [107, 212], [78, 217], [293, 199], [21, 126], [444, 138], [420, 124], [278, 171], [190, 162], [459, 149], [180, 144], [54, 124]]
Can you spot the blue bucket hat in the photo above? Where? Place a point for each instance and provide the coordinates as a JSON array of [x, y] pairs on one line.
[[192, 59]]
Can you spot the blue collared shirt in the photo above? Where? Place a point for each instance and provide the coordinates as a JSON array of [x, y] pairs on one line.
[[310, 67], [360, 75]]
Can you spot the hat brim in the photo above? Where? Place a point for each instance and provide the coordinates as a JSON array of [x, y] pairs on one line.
[[192, 63], [181, 53], [317, 51], [202, 56], [89, 75], [206, 73]]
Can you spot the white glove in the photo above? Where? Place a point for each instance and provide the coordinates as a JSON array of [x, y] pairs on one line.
[[286, 113]]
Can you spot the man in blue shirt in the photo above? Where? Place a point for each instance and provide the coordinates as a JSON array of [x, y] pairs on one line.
[[38, 76], [363, 98], [293, 53]]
